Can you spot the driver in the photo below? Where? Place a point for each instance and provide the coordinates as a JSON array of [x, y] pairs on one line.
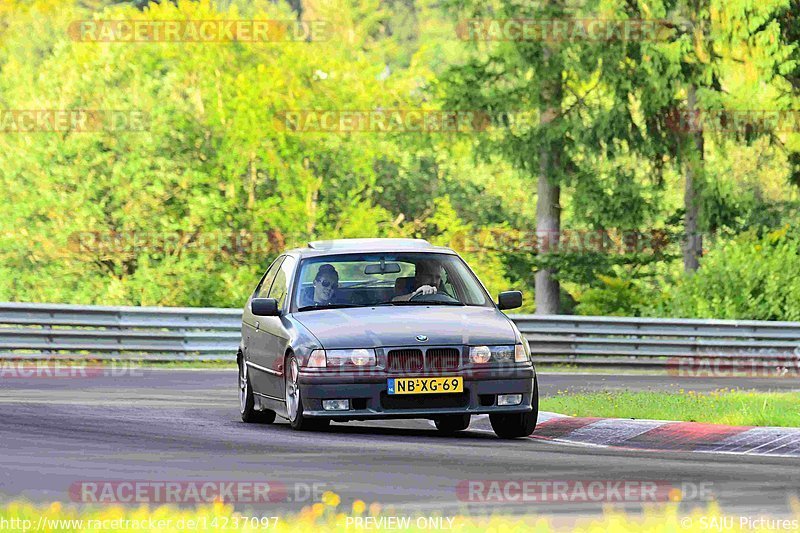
[[325, 284], [427, 278]]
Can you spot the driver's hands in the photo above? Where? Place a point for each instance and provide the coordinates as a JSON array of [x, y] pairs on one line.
[[425, 290]]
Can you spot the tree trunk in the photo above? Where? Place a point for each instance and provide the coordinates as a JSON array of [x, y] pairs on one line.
[[252, 182], [548, 206], [297, 7], [548, 231], [693, 245]]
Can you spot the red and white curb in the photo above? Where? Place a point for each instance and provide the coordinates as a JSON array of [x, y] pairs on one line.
[[667, 436], [661, 435]]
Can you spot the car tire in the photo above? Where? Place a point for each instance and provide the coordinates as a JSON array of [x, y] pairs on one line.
[[294, 401], [450, 424], [516, 425], [247, 400]]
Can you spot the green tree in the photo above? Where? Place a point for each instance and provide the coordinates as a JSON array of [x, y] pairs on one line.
[[190, 210], [214, 160], [724, 56], [583, 94]]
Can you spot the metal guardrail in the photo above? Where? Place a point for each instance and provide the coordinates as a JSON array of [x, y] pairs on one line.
[[38, 331], [47, 331], [672, 342]]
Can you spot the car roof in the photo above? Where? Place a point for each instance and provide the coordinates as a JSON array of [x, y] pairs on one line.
[[350, 246]]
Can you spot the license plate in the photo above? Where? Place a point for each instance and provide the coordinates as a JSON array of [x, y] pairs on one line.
[[425, 385]]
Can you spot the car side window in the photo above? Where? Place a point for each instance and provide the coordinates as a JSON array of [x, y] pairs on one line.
[[266, 282], [281, 283]]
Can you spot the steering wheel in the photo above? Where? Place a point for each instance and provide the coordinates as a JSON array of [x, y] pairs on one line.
[[436, 297]]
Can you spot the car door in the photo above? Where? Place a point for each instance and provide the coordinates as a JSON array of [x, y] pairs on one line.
[[254, 341], [276, 337]]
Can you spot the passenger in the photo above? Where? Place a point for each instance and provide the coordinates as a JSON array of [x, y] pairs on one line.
[[324, 288]]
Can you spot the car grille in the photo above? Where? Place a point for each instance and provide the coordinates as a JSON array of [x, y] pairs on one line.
[[413, 360], [409, 360], [424, 401], [442, 358]]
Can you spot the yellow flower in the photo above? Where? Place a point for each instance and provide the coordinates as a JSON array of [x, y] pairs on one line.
[[359, 507], [55, 507], [331, 499], [218, 507]]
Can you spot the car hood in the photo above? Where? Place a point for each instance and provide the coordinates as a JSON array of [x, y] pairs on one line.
[[374, 327]]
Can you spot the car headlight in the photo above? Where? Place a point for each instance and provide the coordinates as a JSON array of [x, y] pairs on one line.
[[480, 354], [341, 358], [485, 354]]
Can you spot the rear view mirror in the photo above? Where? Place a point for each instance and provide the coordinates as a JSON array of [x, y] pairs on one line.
[[509, 300], [265, 307], [382, 268]]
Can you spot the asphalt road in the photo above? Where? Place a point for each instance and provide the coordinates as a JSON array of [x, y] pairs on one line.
[[182, 425]]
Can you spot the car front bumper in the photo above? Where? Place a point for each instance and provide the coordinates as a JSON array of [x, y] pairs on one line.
[[369, 398]]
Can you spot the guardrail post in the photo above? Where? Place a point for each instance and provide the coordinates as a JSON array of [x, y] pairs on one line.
[[49, 339]]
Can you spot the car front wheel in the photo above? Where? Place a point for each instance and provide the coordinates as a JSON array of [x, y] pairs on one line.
[[513, 426], [294, 402], [247, 401]]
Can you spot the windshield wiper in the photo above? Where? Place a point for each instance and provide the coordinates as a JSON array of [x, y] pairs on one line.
[[330, 306], [406, 302]]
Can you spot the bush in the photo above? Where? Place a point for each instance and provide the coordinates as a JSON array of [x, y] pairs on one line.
[[746, 278], [616, 297]]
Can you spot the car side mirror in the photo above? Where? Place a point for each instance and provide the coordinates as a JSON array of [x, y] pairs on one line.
[[265, 307], [509, 300]]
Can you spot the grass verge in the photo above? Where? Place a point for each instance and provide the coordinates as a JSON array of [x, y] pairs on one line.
[[730, 407]]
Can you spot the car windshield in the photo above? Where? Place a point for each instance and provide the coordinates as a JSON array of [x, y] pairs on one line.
[[387, 279]]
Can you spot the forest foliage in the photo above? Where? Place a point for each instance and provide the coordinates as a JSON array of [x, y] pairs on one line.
[[198, 180]]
